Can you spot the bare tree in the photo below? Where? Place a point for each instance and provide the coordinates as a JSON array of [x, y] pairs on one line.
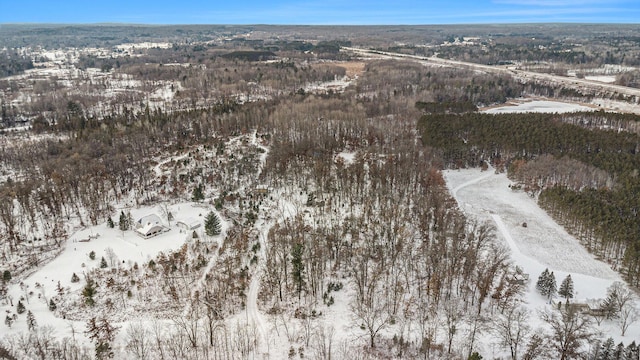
[[453, 317], [370, 309], [570, 330], [113, 258], [512, 328], [627, 316], [138, 341], [323, 343]]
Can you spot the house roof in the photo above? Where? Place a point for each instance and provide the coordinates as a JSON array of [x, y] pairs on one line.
[[150, 229], [190, 222], [149, 219]]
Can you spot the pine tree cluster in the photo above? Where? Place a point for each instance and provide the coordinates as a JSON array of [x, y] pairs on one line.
[[546, 284], [608, 350]]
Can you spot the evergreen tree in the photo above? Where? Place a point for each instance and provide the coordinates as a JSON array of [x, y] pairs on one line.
[[123, 222], [546, 284], [542, 283], [606, 350], [110, 223], [8, 321], [74, 278], [92, 255], [20, 307], [566, 288], [298, 267], [552, 286], [6, 276], [102, 333], [632, 352], [198, 193], [52, 305], [89, 291], [31, 321], [103, 263], [619, 352], [212, 224]]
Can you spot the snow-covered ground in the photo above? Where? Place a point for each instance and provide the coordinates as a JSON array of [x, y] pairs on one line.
[[539, 106], [602, 78], [127, 246], [487, 197]]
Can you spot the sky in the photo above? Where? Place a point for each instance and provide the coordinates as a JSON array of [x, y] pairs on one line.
[[320, 12]]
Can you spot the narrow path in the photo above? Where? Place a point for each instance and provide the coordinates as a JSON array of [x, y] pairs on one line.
[[254, 317], [203, 278]]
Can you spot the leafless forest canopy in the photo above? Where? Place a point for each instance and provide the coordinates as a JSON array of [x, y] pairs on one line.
[[85, 121]]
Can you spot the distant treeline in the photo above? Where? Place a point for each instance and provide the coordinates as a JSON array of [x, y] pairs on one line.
[[538, 150], [250, 55], [12, 63]]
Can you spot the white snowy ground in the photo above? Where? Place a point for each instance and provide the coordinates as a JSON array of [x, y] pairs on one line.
[[128, 247], [486, 196], [540, 106]]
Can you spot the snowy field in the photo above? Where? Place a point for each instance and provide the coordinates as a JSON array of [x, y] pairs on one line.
[[538, 106], [487, 197], [610, 79]]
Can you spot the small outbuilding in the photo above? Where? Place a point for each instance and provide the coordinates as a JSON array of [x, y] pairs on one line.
[[189, 223]]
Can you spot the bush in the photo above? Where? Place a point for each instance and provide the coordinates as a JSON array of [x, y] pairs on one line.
[[6, 276], [20, 309]]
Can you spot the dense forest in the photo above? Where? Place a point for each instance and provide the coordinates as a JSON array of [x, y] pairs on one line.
[[585, 176]]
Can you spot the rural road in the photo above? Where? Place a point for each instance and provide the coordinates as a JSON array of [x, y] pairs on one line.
[[523, 75]]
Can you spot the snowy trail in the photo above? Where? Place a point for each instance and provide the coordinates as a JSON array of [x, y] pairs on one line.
[[507, 236], [156, 169], [254, 317], [203, 278], [471, 182]]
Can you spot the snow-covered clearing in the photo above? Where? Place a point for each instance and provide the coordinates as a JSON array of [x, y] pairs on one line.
[[127, 246], [539, 106], [602, 78], [336, 85], [347, 157], [488, 198]]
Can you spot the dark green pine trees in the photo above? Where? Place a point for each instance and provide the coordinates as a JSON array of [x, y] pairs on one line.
[[212, 224], [546, 284], [566, 288], [123, 222], [198, 193]]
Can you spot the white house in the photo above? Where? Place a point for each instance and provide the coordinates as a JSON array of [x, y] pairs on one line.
[[149, 226]]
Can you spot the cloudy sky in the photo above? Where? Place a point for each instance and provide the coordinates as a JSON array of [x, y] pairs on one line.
[[323, 12]]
